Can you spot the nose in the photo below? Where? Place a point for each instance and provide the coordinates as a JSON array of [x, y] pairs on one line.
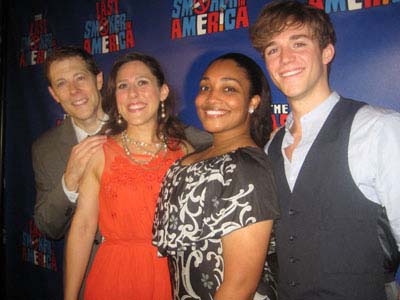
[[286, 55], [73, 88], [212, 96], [132, 90]]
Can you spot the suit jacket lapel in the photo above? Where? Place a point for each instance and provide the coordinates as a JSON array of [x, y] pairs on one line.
[[67, 139]]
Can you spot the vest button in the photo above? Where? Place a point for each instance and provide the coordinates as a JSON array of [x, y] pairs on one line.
[[292, 259], [292, 238], [293, 283], [292, 212]]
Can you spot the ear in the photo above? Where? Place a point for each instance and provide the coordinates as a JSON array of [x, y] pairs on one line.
[[99, 80], [164, 92], [255, 101], [328, 53], [53, 94]]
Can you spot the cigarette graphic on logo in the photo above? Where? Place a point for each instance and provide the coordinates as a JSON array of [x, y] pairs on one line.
[[221, 19]]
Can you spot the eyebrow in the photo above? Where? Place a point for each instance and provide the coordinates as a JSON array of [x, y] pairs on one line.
[[291, 38], [223, 79]]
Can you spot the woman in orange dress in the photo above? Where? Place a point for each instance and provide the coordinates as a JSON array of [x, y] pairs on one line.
[[120, 188]]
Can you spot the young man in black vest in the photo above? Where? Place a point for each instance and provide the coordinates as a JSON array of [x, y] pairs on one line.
[[337, 166]]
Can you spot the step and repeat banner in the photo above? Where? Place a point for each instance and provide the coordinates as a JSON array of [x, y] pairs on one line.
[[184, 35]]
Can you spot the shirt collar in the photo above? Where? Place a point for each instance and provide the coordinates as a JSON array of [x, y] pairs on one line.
[[81, 134], [318, 115]]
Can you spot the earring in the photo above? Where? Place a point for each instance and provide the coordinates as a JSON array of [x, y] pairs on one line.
[[163, 113], [251, 109], [119, 119]]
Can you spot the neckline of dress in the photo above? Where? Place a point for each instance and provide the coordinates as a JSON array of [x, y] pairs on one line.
[[213, 157]]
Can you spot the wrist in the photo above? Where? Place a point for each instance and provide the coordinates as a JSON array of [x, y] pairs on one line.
[[70, 185]]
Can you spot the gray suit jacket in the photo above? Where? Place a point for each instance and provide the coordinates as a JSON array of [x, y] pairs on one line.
[[50, 154], [53, 210]]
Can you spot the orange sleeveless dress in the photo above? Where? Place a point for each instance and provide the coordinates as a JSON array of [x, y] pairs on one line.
[[126, 266]]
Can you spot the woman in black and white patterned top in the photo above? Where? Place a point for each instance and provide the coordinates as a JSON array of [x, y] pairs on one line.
[[216, 207]]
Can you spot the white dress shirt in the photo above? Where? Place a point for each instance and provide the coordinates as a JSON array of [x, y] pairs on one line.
[[373, 153]]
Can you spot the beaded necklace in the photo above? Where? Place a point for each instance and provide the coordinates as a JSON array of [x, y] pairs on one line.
[[161, 146]]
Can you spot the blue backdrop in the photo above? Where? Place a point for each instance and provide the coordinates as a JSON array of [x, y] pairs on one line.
[[184, 35]]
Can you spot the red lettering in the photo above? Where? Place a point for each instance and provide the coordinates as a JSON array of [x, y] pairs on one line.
[[317, 3], [38, 27], [213, 22], [274, 122], [129, 41], [87, 45], [53, 262], [278, 117], [103, 9], [111, 4], [33, 230], [242, 17], [22, 60], [176, 30], [282, 119], [103, 26], [40, 57], [370, 3]]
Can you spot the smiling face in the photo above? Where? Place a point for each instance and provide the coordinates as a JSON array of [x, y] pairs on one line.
[[138, 94], [297, 65], [76, 89], [223, 100]]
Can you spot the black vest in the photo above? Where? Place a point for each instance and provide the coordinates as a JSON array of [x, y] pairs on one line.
[[327, 240]]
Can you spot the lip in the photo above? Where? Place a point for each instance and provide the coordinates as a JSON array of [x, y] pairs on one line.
[[290, 73], [136, 107], [79, 102], [215, 113]]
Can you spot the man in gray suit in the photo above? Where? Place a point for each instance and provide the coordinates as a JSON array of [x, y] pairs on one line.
[[61, 154]]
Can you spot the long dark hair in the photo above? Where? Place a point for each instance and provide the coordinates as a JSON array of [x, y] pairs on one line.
[[261, 118], [168, 128]]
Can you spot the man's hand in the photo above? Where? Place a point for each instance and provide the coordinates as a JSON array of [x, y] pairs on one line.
[[80, 156]]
